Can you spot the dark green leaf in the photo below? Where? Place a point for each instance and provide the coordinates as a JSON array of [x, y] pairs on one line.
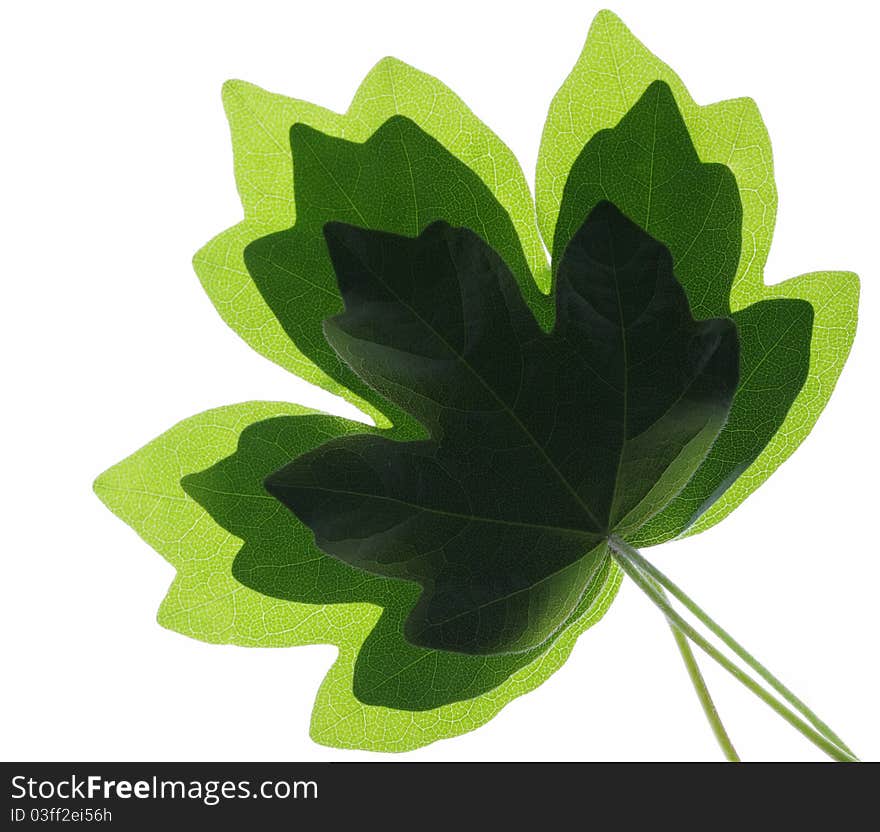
[[648, 167], [540, 444]]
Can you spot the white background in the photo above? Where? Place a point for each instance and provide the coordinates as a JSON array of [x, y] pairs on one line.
[[117, 167]]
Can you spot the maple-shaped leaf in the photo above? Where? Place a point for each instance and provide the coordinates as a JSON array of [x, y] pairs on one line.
[[357, 705], [541, 444]]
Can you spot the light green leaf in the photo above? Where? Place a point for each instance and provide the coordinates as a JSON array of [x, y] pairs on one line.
[[613, 71], [260, 123], [205, 601]]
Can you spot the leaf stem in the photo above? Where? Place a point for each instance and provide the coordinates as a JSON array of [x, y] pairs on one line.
[[699, 683], [645, 574]]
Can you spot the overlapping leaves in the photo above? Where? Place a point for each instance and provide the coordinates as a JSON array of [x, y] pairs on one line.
[[383, 692], [541, 444]]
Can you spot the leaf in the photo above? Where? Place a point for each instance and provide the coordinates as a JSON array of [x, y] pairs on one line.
[[207, 603], [399, 180], [541, 444], [648, 167], [612, 73], [205, 600], [260, 125], [278, 558]]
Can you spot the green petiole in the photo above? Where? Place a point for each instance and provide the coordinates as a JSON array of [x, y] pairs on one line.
[[708, 706], [647, 577]]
